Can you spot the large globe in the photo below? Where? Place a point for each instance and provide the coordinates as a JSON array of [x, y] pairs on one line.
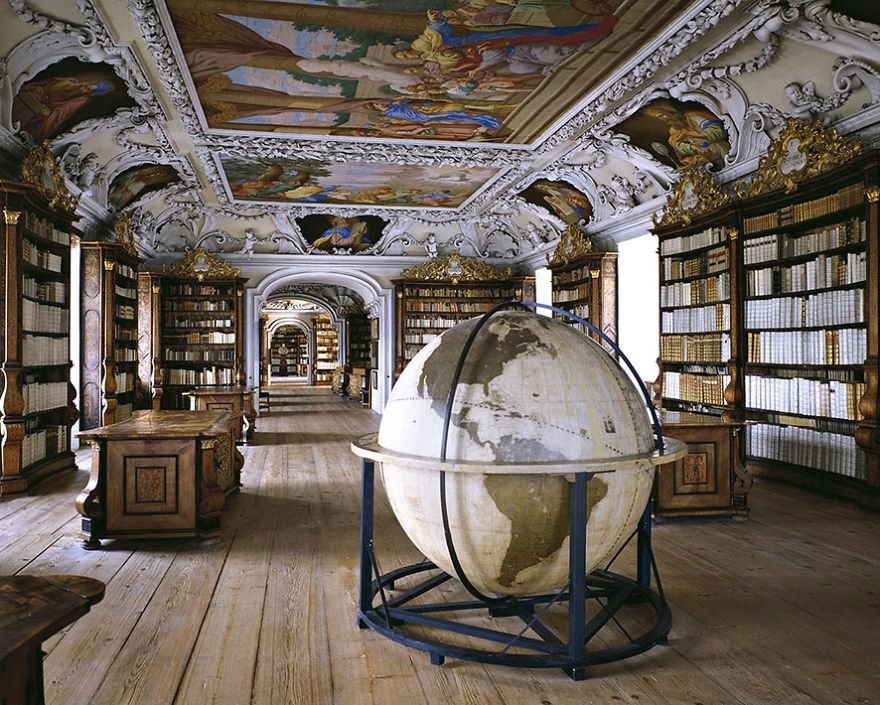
[[532, 389]]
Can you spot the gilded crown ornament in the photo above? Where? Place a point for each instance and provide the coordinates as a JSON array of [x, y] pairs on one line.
[[201, 264], [41, 169], [455, 268], [573, 244], [803, 149], [125, 233], [695, 193]]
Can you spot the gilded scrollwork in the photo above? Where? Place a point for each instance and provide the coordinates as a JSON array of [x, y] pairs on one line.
[[41, 169], [573, 244], [802, 150], [695, 193], [454, 268], [201, 264]]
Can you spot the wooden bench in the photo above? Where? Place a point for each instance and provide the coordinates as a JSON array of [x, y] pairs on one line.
[[33, 608]]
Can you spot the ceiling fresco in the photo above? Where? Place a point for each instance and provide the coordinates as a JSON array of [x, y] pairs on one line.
[[561, 199], [138, 181], [437, 70], [329, 233], [351, 183]]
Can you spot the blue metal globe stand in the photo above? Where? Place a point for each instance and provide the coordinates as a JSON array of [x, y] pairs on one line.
[[394, 612]]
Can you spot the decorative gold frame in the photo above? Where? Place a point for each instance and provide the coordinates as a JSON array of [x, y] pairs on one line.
[[573, 244], [201, 264], [41, 169], [802, 150], [455, 268], [124, 233], [694, 194]]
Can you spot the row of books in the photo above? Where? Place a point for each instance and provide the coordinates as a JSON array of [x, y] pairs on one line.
[[710, 262], [831, 452], [809, 397], [183, 305], [126, 292], [827, 308], [40, 318], [125, 332], [847, 197], [173, 322], [448, 306], [32, 254], [581, 291], [42, 396], [455, 292], [701, 291], [705, 347], [581, 310], [197, 290], [772, 247], [204, 339], [124, 411], [823, 272], [844, 346], [696, 320], [435, 322], [222, 355], [125, 355], [710, 236], [212, 375], [125, 312], [418, 338], [43, 443], [39, 350], [124, 382], [699, 389], [123, 270], [574, 275], [44, 228], [53, 292]]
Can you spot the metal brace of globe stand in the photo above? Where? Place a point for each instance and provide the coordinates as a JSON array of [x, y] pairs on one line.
[[611, 591]]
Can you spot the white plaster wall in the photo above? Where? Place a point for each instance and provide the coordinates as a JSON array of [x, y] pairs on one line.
[[639, 301], [544, 289]]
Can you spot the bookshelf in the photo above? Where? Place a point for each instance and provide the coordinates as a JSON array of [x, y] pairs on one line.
[[435, 296], [288, 352], [326, 350], [196, 327], [109, 331], [36, 397], [792, 347], [358, 340], [585, 283]]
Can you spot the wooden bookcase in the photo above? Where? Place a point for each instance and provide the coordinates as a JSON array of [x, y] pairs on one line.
[[196, 329], [585, 283], [800, 365], [326, 350], [358, 340], [288, 352], [435, 296], [36, 397], [109, 332]]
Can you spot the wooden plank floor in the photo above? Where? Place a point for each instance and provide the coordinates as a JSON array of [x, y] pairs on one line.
[[781, 608]]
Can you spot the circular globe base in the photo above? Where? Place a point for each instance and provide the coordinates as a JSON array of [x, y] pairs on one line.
[[454, 628]]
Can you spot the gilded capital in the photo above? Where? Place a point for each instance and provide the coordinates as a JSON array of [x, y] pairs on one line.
[[109, 266], [208, 443], [11, 217], [872, 194]]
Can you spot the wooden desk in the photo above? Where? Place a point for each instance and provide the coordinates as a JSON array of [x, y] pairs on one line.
[[33, 608], [235, 399], [711, 479], [159, 473]]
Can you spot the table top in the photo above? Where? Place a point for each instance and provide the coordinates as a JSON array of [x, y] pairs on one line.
[[165, 424], [34, 607], [210, 391]]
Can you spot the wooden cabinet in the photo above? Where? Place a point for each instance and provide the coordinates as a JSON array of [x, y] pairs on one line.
[[435, 296], [711, 479], [193, 333], [109, 333], [159, 474], [36, 397], [238, 401], [769, 309], [585, 283]]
